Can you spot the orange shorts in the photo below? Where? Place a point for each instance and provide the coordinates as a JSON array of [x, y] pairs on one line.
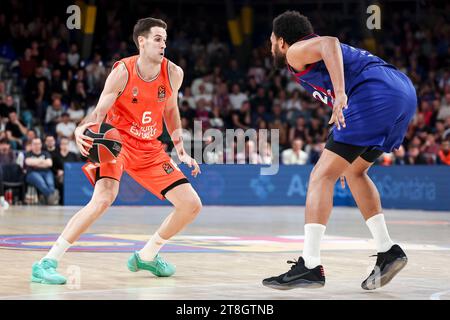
[[146, 162]]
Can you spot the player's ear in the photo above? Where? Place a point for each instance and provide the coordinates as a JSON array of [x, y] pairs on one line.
[[141, 40], [282, 43]]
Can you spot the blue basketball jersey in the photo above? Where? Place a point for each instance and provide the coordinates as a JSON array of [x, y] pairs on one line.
[[316, 79], [381, 99]]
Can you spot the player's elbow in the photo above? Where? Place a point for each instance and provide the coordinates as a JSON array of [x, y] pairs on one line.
[[328, 43]]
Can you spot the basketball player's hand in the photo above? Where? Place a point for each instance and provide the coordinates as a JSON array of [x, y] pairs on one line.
[[185, 158], [339, 104], [84, 143]]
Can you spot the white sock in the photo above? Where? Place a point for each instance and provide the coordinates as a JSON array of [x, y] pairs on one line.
[[377, 227], [152, 247], [311, 249], [59, 248]]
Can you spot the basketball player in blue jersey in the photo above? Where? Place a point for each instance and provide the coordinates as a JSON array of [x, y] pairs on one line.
[[372, 103]]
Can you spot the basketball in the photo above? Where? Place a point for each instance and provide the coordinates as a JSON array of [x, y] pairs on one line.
[[107, 143]]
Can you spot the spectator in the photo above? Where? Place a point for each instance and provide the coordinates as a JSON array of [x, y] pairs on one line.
[[51, 148], [216, 120], [234, 74], [212, 156], [295, 155], [430, 149], [444, 110], [188, 98], [75, 111], [6, 158], [15, 130], [241, 118], [265, 154], [203, 95], [237, 97], [299, 131], [414, 156], [65, 128], [202, 114], [187, 112], [7, 106], [73, 57], [444, 153], [260, 99], [53, 115], [27, 64], [248, 155], [62, 156], [399, 156], [96, 74], [39, 174]]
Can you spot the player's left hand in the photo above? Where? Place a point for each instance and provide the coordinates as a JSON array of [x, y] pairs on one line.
[[339, 104], [185, 158]]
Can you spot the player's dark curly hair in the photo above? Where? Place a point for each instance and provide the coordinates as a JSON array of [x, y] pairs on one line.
[[291, 26]]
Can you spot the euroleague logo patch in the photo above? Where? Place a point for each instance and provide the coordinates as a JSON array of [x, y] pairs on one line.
[[167, 167], [161, 93]]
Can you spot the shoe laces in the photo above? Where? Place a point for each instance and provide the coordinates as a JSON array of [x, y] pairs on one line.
[[49, 267], [160, 263], [294, 264]]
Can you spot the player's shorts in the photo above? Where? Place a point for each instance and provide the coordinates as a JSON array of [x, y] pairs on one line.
[[350, 152], [380, 108], [147, 163]]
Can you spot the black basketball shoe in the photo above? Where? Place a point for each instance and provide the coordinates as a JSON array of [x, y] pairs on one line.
[[388, 264], [298, 277]]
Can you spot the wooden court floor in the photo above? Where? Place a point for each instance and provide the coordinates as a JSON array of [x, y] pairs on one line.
[[224, 254]]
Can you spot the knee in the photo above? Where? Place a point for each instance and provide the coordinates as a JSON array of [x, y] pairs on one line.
[[104, 201], [320, 175], [192, 206], [352, 174]]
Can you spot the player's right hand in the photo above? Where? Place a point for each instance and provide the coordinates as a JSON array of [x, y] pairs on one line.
[[84, 143], [339, 103]]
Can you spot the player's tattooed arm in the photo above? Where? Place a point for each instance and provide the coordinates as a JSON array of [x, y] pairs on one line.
[[115, 82]]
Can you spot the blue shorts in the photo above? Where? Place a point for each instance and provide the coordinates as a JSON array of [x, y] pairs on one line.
[[380, 108]]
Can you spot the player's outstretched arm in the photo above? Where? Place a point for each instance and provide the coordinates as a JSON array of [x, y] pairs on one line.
[[172, 118], [329, 50], [114, 84]]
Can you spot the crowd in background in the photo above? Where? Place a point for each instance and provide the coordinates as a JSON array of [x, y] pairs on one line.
[[46, 89]]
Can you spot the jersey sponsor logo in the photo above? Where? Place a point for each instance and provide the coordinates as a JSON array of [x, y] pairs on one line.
[[147, 132], [161, 93]]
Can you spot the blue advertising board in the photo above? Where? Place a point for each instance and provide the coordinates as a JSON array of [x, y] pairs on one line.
[[400, 187]]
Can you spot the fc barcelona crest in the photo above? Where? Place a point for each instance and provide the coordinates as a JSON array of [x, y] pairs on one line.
[[161, 93]]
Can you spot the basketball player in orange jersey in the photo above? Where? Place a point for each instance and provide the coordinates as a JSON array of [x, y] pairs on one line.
[[139, 93]]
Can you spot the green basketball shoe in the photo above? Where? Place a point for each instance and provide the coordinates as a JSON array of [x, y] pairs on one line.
[[158, 266], [45, 272]]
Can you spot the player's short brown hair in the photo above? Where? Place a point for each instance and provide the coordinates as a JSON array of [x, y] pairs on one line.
[[143, 26]]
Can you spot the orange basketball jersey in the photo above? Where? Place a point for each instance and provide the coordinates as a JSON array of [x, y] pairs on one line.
[[138, 110]]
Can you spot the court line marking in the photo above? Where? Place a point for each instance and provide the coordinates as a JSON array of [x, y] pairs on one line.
[[437, 295]]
